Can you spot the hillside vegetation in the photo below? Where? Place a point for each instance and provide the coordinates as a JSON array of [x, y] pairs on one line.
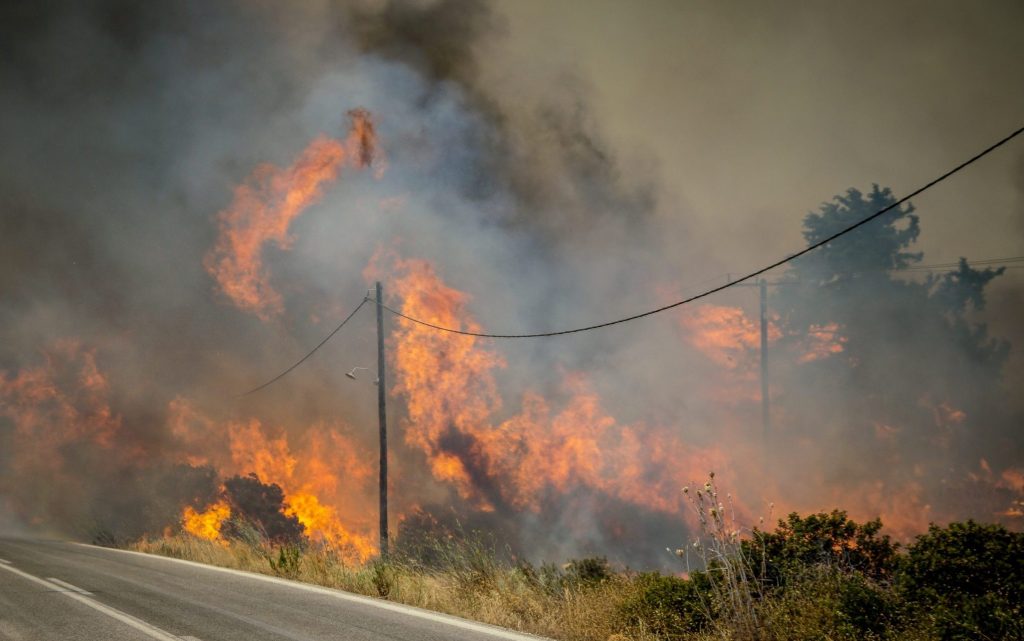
[[820, 576]]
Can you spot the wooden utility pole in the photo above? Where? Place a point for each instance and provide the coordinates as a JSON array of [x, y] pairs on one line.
[[382, 418], [764, 359]]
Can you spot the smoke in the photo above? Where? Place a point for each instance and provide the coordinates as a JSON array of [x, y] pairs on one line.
[[161, 253]]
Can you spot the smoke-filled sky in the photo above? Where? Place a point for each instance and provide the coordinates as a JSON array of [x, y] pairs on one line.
[[750, 116], [194, 194]]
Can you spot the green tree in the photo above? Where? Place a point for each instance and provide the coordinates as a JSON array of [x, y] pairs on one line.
[[908, 356]]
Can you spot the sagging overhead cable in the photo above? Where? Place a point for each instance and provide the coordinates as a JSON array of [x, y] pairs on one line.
[[731, 283], [311, 352]]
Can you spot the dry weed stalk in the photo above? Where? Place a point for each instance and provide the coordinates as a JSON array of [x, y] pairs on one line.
[[733, 584]]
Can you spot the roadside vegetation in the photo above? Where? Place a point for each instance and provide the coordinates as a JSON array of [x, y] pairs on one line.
[[820, 576]]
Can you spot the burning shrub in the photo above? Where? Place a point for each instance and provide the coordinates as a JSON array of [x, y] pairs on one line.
[[114, 516], [261, 506]]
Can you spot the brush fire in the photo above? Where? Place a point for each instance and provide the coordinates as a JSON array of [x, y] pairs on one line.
[[469, 442], [262, 228]]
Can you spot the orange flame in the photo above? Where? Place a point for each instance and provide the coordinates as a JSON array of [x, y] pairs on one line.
[[324, 475], [1012, 478], [728, 338], [57, 404], [265, 205], [311, 484], [724, 334], [447, 382], [823, 341], [206, 524], [449, 387]]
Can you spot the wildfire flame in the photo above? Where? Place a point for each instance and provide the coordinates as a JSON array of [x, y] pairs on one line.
[[448, 384], [308, 478], [264, 207], [724, 334], [496, 458], [324, 480], [61, 401], [823, 341], [546, 447], [206, 524]]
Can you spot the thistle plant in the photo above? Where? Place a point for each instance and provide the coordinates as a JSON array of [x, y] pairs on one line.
[[729, 577]]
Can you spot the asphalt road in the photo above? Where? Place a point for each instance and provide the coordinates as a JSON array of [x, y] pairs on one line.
[[55, 590]]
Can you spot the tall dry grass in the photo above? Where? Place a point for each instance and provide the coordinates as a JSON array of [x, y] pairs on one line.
[[726, 598], [466, 579]]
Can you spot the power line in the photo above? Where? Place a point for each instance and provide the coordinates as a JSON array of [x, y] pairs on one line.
[[932, 269], [732, 283], [980, 262], [1004, 263], [311, 352]]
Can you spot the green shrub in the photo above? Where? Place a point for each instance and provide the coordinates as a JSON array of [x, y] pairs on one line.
[[967, 580], [547, 578], [823, 602], [821, 539], [667, 606], [287, 562], [864, 609], [383, 578], [588, 571]]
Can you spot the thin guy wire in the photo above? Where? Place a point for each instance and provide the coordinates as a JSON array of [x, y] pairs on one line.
[[311, 352], [733, 283]]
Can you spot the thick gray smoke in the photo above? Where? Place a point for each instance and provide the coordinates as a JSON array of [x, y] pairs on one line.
[[129, 126]]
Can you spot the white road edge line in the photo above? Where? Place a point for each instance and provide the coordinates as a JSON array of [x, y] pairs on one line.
[[407, 610], [65, 584], [5, 561], [149, 630]]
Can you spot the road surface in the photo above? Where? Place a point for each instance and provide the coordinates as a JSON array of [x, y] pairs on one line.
[[62, 591]]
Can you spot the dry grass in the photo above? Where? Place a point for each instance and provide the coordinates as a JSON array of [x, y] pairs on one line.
[[475, 586], [465, 576], [469, 581]]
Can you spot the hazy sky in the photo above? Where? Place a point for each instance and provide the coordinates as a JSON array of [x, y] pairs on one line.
[[755, 114], [752, 114]]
